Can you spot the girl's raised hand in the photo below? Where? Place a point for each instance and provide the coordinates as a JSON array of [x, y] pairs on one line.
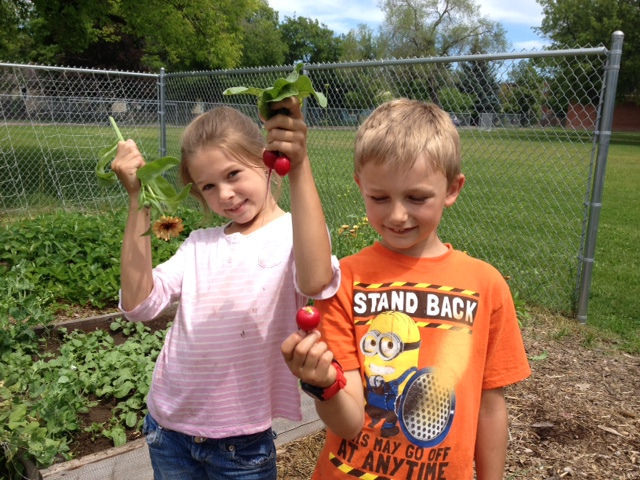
[[287, 133], [127, 162]]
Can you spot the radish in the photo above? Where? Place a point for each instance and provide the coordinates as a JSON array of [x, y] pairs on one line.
[[282, 165], [308, 318], [276, 161], [269, 158]]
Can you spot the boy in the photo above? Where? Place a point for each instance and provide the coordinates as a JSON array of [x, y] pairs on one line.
[[424, 337]]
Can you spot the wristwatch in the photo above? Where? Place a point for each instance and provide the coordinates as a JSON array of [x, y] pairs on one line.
[[327, 392]]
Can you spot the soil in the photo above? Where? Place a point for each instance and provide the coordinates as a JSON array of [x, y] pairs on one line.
[[577, 416]]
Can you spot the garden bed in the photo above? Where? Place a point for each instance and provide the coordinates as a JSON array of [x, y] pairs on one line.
[[86, 443]]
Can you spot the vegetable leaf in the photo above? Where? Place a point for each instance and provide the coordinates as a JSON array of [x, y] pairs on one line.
[[152, 170], [156, 191], [106, 178], [295, 84]]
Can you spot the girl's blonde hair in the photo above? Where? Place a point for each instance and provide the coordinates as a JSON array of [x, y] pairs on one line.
[[400, 131], [225, 128]]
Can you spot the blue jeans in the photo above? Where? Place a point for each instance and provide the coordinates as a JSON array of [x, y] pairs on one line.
[[176, 456]]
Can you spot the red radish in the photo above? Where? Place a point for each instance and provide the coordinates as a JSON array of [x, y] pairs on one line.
[[269, 158], [276, 161], [282, 165], [308, 318]]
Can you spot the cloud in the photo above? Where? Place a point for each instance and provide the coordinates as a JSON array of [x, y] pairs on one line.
[[530, 45], [524, 12], [339, 15]]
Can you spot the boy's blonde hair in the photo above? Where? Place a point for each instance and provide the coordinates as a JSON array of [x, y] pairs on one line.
[[398, 132], [225, 128]]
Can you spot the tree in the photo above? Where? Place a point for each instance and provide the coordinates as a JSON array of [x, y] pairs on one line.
[[263, 43], [577, 23], [421, 28], [80, 33], [524, 94], [454, 101], [478, 79], [427, 28], [309, 41], [16, 43], [198, 34], [362, 44]]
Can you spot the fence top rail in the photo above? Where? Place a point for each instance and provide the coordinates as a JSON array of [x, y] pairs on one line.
[[195, 73], [77, 69], [466, 58], [407, 61], [321, 66]]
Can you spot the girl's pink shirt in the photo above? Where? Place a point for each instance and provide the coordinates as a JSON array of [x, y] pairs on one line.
[[220, 372]]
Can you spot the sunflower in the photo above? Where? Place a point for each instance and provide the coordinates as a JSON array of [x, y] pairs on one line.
[[167, 227]]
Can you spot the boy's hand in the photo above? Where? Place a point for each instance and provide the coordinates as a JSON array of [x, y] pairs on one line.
[[127, 162], [309, 358], [288, 133]]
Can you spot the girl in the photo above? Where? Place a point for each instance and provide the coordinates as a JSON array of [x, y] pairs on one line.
[[220, 379]]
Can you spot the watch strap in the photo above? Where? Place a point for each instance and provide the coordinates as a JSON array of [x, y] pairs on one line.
[[326, 393]]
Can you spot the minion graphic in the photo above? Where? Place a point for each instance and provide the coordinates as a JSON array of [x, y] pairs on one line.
[[391, 348]]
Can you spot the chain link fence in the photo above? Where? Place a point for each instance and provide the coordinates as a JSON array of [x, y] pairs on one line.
[[528, 124], [52, 123]]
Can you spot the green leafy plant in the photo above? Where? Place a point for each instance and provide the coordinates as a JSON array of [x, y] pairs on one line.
[[353, 236], [522, 310], [538, 358], [42, 393], [294, 85], [55, 262], [156, 191]]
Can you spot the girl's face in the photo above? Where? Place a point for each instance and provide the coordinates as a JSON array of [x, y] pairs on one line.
[[232, 189], [405, 208]]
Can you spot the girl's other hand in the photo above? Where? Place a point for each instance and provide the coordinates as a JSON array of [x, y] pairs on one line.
[[127, 162]]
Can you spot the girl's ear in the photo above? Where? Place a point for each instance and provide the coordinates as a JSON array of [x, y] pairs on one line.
[[453, 190]]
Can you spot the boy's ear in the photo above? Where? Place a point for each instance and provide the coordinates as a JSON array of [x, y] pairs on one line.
[[453, 190], [357, 180]]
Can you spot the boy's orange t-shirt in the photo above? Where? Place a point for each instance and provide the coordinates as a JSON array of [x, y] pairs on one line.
[[428, 336]]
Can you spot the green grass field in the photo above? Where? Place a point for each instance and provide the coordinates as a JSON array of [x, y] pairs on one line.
[[522, 208]]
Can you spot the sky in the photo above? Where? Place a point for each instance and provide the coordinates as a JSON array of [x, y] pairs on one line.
[[516, 16]]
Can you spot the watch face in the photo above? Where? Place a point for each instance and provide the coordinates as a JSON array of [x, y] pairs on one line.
[[312, 390]]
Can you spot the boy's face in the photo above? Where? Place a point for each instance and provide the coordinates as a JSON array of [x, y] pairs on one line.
[[405, 208]]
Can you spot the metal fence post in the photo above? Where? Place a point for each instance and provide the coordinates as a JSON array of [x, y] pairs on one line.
[[162, 113], [595, 205]]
